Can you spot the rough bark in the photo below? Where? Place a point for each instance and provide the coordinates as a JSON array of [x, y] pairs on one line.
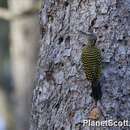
[[24, 37], [61, 96]]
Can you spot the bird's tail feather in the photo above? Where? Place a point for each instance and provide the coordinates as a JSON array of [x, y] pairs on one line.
[[96, 90]]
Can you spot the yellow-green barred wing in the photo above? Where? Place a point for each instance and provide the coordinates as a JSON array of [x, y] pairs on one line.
[[91, 59]]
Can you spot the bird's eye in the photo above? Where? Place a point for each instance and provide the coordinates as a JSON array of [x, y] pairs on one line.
[[83, 45]]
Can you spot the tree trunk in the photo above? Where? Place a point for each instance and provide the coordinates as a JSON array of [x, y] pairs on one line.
[[24, 44], [61, 97]]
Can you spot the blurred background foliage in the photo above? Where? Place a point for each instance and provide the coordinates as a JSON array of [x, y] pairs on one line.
[[10, 85], [6, 86], [4, 3], [5, 69]]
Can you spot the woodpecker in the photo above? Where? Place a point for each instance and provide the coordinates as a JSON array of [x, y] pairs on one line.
[[91, 59]]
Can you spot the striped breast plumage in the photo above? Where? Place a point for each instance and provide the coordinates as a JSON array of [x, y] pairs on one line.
[[91, 59]]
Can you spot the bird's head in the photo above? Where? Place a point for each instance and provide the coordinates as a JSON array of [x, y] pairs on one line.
[[91, 39]]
